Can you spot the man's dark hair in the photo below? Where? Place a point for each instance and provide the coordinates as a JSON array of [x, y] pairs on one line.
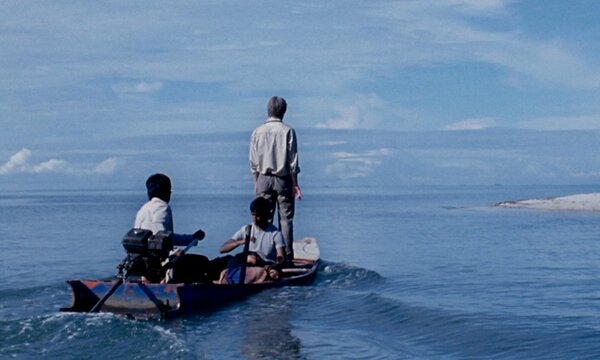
[[261, 206], [276, 107], [159, 185]]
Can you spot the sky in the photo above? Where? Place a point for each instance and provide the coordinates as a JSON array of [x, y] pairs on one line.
[[87, 87]]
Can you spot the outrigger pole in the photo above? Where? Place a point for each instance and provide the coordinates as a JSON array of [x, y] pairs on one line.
[[121, 277], [112, 290]]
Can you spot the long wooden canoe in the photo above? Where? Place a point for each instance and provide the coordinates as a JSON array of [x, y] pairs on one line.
[[151, 300]]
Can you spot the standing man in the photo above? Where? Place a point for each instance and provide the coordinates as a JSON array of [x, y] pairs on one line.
[[274, 164]]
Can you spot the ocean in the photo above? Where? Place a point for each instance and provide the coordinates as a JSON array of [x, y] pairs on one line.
[[407, 273]]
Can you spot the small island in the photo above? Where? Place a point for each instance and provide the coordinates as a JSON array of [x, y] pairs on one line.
[[578, 202]]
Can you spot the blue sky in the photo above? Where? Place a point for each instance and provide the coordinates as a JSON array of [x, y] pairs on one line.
[[80, 82]]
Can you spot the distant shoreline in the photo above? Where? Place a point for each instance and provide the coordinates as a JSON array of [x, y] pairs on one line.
[[578, 202]]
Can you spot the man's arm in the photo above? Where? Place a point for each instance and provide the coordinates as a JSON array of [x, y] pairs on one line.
[[255, 176], [186, 239], [253, 158], [230, 245], [293, 163], [253, 154], [296, 187]]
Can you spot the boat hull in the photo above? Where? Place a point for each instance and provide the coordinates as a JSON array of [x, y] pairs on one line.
[[146, 300]]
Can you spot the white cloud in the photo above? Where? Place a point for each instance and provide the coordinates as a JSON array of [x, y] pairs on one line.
[[472, 124], [356, 165], [435, 32], [52, 165], [486, 6], [141, 87], [334, 142], [361, 113], [547, 62], [16, 163], [108, 166], [20, 163], [235, 50]]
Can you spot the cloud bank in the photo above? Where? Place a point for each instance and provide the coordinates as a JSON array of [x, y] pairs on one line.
[[346, 157], [361, 113], [20, 163], [472, 124], [127, 68], [356, 165], [141, 87]]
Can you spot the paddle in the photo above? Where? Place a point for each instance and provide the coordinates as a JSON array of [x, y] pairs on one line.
[[245, 256]]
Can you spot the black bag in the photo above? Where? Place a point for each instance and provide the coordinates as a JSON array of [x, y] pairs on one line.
[[192, 268]]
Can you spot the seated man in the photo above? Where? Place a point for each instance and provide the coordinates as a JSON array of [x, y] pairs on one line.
[[266, 247], [155, 215]]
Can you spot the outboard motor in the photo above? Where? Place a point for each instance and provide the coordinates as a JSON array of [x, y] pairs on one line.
[[145, 253]]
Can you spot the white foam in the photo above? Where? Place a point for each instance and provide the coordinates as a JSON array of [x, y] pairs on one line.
[[578, 202]]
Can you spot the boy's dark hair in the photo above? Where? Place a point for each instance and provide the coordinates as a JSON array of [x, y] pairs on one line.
[[276, 107], [159, 185], [261, 206]]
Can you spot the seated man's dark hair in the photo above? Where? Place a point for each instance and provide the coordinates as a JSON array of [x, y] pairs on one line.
[[276, 107], [159, 185], [261, 206]]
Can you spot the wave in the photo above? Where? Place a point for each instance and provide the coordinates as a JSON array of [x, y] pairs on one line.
[[390, 326], [76, 336], [343, 275], [350, 312], [22, 303]]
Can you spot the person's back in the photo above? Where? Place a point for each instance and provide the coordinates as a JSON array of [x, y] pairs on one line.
[[271, 151], [155, 215], [275, 166]]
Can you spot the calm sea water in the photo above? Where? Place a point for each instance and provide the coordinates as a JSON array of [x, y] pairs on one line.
[[408, 273]]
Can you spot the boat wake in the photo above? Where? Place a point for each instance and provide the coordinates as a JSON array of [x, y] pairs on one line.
[[427, 332], [57, 334], [346, 276]]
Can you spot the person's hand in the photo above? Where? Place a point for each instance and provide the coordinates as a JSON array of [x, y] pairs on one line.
[[298, 192], [251, 259], [199, 235]]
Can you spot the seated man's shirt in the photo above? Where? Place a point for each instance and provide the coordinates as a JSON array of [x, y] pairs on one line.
[[155, 215]]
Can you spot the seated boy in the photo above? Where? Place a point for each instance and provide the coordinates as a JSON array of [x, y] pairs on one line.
[[266, 247]]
